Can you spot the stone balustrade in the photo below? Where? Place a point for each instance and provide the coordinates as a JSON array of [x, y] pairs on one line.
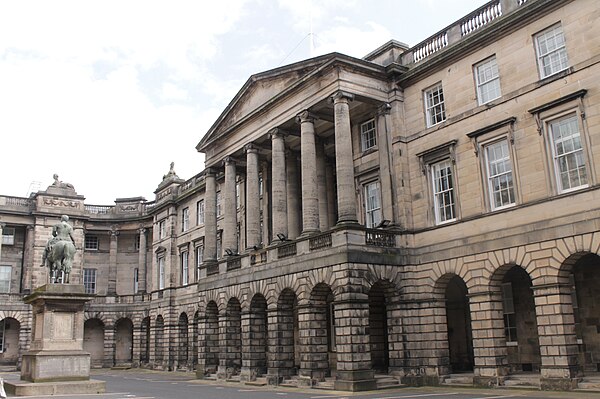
[[460, 29]]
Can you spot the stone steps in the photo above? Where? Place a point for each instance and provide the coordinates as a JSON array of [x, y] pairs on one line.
[[589, 383], [291, 382], [523, 381], [259, 382], [462, 380], [385, 381], [328, 384]]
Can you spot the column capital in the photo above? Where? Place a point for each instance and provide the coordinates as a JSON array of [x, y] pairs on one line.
[[228, 160], [251, 148], [29, 227], [306, 116], [2, 225], [342, 96], [142, 230], [114, 233], [384, 109], [210, 172], [277, 132]]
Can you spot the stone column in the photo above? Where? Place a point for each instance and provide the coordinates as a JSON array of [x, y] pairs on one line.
[[229, 207], [396, 350], [346, 192], [314, 358], [210, 217], [280, 358], [322, 186], [385, 164], [2, 226], [254, 345], [109, 345], [28, 260], [489, 340], [558, 340], [278, 184], [142, 262], [310, 201], [266, 202], [354, 371], [252, 197], [136, 346], [331, 200], [293, 195], [112, 263]]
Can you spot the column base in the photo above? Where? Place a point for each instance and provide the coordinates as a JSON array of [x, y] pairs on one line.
[[363, 380], [346, 222], [487, 382], [249, 373], [308, 233]]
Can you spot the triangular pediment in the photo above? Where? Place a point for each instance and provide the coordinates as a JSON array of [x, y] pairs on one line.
[[261, 89]]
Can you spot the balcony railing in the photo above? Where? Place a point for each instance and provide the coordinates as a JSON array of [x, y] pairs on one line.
[[233, 264], [455, 32], [15, 202], [285, 250], [99, 209], [380, 238], [320, 241]]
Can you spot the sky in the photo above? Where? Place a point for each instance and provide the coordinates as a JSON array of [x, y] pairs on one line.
[[107, 94]]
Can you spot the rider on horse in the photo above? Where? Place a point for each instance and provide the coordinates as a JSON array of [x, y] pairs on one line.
[[61, 233]]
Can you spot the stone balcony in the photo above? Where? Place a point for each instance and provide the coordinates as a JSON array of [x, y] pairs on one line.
[[348, 243]]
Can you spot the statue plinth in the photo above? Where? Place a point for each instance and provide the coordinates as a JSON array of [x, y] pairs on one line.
[[56, 359]]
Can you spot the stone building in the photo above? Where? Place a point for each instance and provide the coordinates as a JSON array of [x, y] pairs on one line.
[[408, 216]]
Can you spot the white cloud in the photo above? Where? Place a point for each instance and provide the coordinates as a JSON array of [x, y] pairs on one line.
[[356, 41]]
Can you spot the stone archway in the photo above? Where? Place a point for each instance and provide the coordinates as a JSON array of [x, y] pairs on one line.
[[585, 280], [123, 342], [258, 345], [10, 329], [379, 297], [287, 355], [93, 341], [458, 321], [520, 324]]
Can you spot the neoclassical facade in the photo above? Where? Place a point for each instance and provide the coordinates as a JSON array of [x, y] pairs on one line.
[[409, 217]]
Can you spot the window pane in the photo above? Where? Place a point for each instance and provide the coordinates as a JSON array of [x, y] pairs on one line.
[[443, 192], [434, 105], [368, 135], [372, 204], [499, 174], [5, 274], [488, 81], [552, 53], [568, 153]]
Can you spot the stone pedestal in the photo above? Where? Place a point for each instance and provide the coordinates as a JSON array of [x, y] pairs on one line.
[[56, 362]]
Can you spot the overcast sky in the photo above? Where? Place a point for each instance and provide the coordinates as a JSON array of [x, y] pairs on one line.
[[107, 93]]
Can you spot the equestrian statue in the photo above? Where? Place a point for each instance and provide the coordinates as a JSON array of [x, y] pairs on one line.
[[60, 251]]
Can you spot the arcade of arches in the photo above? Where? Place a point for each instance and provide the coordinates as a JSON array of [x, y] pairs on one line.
[[509, 323]]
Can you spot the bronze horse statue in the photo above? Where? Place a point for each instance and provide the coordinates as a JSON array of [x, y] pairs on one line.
[[60, 251], [60, 260]]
